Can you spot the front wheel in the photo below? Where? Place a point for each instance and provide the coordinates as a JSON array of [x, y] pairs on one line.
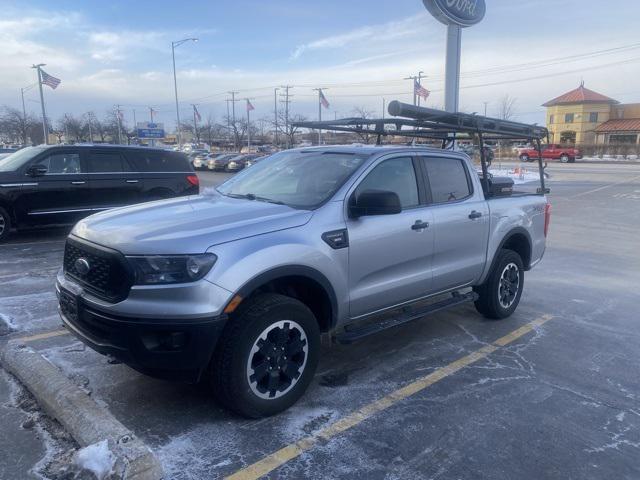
[[500, 295], [266, 357], [564, 158], [524, 158]]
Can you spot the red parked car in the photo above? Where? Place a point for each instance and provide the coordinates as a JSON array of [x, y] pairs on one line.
[[564, 153]]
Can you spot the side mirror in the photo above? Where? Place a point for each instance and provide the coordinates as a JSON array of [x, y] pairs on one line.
[[37, 170], [374, 202]]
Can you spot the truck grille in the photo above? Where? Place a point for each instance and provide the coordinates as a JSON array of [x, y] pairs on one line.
[[108, 275]]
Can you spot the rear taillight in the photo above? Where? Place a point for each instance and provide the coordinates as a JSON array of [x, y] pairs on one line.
[[193, 180], [547, 218]]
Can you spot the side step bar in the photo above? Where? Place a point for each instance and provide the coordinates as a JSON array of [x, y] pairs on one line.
[[354, 333]]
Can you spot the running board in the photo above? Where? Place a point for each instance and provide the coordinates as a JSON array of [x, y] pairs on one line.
[[352, 334]]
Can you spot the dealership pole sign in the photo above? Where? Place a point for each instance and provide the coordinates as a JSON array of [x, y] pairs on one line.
[[456, 15], [464, 13]]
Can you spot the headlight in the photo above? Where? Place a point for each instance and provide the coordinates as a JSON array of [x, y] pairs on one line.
[[156, 269]]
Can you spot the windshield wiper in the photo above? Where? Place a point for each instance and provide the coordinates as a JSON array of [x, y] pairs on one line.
[[251, 196]]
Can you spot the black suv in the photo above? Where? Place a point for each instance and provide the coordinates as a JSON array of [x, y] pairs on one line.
[[58, 185]]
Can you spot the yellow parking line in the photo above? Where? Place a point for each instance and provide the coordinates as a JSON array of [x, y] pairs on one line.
[[282, 456], [42, 336]]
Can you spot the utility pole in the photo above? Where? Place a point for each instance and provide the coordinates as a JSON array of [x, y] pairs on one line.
[[286, 112], [90, 131], [416, 79], [228, 117], [24, 114], [485, 108], [275, 115], [45, 129], [319, 90], [118, 119], [384, 106], [151, 114]]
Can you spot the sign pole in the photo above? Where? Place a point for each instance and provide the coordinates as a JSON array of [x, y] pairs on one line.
[[452, 69]]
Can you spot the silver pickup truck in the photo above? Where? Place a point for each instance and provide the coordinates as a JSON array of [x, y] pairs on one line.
[[237, 286]]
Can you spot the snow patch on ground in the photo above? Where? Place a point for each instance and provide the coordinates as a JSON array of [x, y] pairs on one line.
[[7, 325], [519, 175], [96, 458]]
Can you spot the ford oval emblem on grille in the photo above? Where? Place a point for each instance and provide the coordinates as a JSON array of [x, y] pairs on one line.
[[82, 266]]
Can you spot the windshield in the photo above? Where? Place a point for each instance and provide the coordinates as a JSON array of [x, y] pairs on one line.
[[19, 158], [298, 179]]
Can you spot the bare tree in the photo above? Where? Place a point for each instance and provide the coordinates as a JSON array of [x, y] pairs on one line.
[[73, 128], [16, 128], [507, 107], [362, 112], [288, 129]]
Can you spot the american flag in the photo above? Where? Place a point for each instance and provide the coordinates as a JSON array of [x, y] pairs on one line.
[[249, 106], [197, 113], [323, 100], [47, 79], [420, 91]]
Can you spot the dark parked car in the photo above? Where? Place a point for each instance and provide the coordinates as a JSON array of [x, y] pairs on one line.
[[220, 162], [58, 185], [238, 163]]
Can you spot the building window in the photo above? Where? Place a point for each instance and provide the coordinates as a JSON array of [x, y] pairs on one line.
[[550, 119], [568, 118], [623, 139], [593, 117]]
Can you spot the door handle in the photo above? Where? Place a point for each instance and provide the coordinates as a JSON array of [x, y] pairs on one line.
[[419, 225], [132, 181], [473, 215], [78, 183]]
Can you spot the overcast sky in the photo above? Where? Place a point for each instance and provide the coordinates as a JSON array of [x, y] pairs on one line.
[[114, 52]]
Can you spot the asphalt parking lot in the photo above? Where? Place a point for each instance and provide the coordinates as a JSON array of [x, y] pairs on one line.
[[552, 392]]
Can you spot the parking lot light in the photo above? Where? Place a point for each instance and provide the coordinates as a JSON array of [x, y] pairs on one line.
[[175, 81]]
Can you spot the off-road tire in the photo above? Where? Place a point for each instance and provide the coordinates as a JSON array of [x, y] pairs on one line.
[[5, 225], [229, 373], [489, 303]]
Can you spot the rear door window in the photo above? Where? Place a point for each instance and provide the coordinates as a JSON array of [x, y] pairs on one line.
[[448, 179], [106, 162], [159, 161]]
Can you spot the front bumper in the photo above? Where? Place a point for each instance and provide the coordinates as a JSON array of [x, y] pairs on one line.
[[162, 346]]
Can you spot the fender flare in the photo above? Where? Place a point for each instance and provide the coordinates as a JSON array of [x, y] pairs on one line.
[[505, 239], [287, 271]]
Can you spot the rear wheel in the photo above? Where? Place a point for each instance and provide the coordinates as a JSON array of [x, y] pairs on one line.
[[266, 357], [500, 295], [564, 158], [524, 158], [5, 225]]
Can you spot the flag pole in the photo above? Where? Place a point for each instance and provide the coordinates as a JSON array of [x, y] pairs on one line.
[[320, 115], [45, 130]]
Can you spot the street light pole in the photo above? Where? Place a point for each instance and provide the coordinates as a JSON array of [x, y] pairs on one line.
[[175, 81]]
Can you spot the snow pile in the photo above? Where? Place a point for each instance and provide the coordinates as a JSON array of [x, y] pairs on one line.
[[96, 458], [6, 325], [519, 175]]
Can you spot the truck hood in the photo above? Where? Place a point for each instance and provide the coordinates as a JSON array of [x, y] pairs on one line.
[[186, 225]]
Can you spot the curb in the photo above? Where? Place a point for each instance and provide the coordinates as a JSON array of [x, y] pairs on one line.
[[81, 416]]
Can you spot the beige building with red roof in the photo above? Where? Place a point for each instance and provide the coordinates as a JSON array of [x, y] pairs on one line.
[[583, 116]]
